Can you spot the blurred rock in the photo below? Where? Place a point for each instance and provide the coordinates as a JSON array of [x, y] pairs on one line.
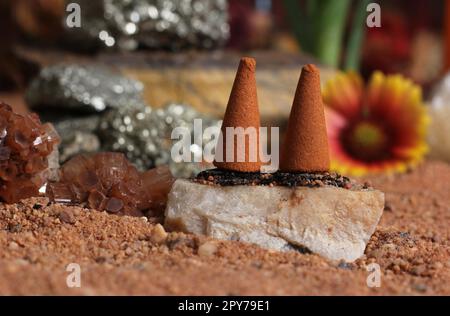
[[144, 135], [78, 143], [74, 96], [439, 130], [157, 24], [81, 89], [78, 136]]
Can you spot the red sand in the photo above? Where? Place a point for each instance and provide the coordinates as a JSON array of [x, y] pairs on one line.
[[125, 255]]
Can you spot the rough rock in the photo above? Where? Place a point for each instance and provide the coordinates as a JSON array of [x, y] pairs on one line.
[[158, 235], [207, 249], [330, 221]]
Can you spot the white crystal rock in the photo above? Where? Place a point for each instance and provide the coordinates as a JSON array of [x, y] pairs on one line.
[[439, 130], [333, 222]]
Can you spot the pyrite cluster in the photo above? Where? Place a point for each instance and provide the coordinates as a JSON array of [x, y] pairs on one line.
[[144, 134], [82, 89], [158, 24]]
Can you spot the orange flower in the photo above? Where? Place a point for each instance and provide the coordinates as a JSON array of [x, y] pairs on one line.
[[376, 128]]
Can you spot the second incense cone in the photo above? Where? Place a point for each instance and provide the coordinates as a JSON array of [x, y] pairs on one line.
[[305, 147]]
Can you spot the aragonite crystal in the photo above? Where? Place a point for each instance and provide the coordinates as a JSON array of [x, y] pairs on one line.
[[108, 181], [28, 155]]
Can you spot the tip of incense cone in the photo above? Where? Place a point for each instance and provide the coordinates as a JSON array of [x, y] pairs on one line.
[[242, 111], [306, 144], [249, 63], [311, 68]]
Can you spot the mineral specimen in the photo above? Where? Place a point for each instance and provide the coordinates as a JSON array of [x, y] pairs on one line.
[[160, 24], [107, 181], [331, 221], [78, 136], [74, 96], [82, 89], [144, 135], [439, 131], [28, 155]]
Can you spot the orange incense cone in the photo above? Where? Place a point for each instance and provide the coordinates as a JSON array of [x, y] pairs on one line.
[[306, 144], [242, 111]]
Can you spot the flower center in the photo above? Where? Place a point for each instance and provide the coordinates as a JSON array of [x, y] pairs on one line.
[[366, 141], [368, 135]]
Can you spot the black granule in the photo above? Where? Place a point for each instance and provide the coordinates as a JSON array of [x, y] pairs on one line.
[[312, 180]]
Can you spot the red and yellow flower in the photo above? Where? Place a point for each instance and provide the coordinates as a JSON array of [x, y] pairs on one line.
[[373, 128]]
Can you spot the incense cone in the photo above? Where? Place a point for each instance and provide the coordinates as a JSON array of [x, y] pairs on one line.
[[306, 144], [242, 111]]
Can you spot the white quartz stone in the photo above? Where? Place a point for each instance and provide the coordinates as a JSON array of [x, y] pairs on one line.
[[333, 222]]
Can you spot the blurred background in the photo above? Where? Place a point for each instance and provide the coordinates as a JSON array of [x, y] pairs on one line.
[[181, 57], [410, 32]]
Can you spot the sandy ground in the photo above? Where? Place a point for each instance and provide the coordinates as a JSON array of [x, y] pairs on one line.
[[125, 255]]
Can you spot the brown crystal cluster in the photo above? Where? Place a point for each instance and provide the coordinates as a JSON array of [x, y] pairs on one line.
[[27, 154], [108, 181]]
